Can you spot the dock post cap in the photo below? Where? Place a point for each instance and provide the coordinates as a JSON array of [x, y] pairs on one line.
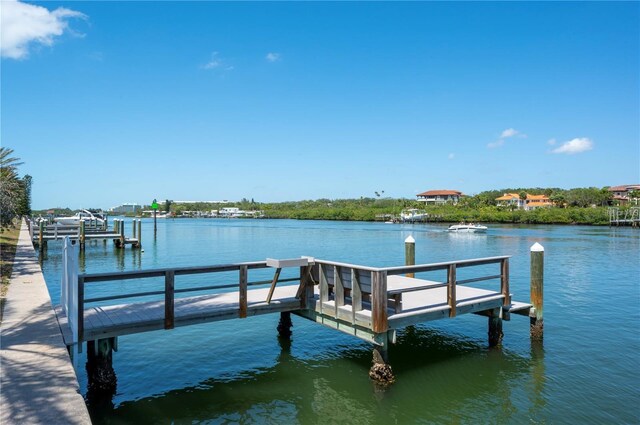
[[409, 239], [536, 247]]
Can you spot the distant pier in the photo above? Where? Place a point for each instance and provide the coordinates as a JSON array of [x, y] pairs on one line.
[[624, 217], [42, 231]]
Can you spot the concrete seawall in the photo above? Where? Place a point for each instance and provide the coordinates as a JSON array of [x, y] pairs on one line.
[[38, 384]]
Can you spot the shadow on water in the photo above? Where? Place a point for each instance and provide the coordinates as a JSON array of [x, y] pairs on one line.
[[440, 378]]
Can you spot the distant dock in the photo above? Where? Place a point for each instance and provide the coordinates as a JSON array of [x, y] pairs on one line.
[[42, 231], [625, 217]]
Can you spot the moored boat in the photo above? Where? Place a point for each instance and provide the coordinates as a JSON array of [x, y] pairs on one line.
[[468, 228]]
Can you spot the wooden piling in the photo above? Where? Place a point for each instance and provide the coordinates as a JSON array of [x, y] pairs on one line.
[[139, 233], [133, 222], [410, 253], [40, 233], [169, 288], [82, 233], [122, 239], [243, 291], [101, 376], [381, 372], [537, 280], [495, 327], [284, 325]]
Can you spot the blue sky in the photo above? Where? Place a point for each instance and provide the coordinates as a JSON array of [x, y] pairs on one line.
[[117, 102]]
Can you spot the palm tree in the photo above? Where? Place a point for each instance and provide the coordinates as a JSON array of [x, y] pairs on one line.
[[10, 186]]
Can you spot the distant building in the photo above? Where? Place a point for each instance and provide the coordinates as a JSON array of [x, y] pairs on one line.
[[621, 193], [126, 209], [531, 203], [510, 199], [537, 201], [439, 197]]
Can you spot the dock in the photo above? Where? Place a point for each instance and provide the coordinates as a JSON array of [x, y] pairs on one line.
[[625, 217], [370, 303], [42, 231]]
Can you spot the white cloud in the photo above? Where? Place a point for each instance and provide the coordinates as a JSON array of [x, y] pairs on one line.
[[551, 142], [273, 57], [217, 62], [452, 155], [25, 24], [509, 132], [577, 145], [495, 144]]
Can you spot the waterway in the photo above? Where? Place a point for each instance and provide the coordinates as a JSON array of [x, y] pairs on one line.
[[586, 371]]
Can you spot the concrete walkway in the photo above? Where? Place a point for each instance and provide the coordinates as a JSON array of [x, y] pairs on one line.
[[37, 382]]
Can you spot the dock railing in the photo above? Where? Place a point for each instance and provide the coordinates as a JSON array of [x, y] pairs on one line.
[[342, 282], [76, 293]]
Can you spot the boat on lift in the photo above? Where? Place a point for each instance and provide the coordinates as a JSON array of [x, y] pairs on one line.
[[413, 214], [86, 215]]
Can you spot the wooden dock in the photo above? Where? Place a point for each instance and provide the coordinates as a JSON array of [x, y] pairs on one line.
[[367, 302], [626, 217], [42, 231]]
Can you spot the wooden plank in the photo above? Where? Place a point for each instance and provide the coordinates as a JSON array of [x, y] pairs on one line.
[[169, 283], [338, 288], [356, 294], [243, 291], [504, 287], [443, 266], [292, 262], [324, 285], [451, 290], [276, 276]]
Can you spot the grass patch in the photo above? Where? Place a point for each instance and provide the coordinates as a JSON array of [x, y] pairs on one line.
[[8, 243]]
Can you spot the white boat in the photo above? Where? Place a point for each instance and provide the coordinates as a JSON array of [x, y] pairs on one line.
[[75, 219], [468, 228], [413, 214]]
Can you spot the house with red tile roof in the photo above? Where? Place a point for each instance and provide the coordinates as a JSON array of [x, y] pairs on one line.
[[530, 203], [440, 197], [510, 199], [621, 193]]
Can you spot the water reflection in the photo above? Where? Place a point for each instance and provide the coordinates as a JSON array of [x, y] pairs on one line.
[[335, 389]]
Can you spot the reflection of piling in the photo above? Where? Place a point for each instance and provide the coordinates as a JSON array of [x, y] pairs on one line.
[[537, 280], [410, 253]]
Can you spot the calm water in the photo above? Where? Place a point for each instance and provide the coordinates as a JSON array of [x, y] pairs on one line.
[[587, 371]]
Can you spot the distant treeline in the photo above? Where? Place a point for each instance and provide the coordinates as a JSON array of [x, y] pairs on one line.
[[572, 206]]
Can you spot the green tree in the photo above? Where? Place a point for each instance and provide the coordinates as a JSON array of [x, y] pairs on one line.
[[10, 186], [167, 205], [24, 203]]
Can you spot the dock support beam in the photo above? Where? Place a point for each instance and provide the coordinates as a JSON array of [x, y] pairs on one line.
[[537, 280], [495, 328], [381, 372], [102, 377], [410, 253], [285, 325]]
